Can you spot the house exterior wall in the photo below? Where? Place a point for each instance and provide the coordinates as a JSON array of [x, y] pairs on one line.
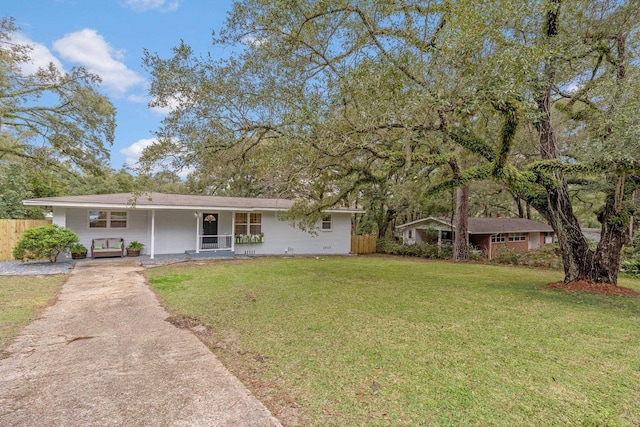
[[483, 242], [520, 247], [409, 236], [77, 219], [280, 238], [59, 216], [175, 232], [418, 233]]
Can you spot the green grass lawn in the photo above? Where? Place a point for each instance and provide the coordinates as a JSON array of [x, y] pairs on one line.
[[21, 300], [366, 341]]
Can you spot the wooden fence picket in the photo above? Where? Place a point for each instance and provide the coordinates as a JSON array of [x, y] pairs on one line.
[[363, 244], [11, 231]]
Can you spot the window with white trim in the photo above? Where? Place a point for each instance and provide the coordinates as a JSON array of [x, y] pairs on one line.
[[517, 237], [108, 219], [497, 238], [248, 223], [326, 223]]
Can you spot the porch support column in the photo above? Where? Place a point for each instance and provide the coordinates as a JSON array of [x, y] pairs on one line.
[[153, 233], [197, 232], [233, 231]]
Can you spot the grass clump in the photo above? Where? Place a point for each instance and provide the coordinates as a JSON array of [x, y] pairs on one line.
[[21, 300], [386, 341]]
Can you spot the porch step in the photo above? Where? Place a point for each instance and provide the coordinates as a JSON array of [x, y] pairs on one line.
[[211, 254]]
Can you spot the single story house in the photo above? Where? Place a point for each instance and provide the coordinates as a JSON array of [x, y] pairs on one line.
[[486, 234], [175, 223]]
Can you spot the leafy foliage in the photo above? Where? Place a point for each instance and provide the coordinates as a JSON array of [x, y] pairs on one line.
[[51, 114], [422, 250], [44, 243], [134, 245]]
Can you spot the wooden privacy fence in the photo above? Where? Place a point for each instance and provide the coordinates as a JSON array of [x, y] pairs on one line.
[[11, 231], [363, 244]]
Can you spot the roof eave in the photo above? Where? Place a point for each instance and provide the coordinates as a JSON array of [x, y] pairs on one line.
[[34, 202]]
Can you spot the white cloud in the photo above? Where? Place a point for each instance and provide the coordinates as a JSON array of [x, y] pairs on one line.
[[138, 99], [172, 104], [40, 55], [90, 49], [144, 5], [134, 151], [253, 41]]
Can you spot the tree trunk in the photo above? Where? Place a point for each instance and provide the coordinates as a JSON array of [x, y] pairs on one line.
[[385, 225], [614, 218], [460, 220], [557, 209]]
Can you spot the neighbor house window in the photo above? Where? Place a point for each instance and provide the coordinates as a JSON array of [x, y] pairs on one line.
[[326, 223], [497, 238], [411, 234], [248, 223], [517, 237], [107, 219]]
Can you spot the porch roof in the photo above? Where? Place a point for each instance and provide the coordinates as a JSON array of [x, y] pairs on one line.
[[487, 225], [163, 201]]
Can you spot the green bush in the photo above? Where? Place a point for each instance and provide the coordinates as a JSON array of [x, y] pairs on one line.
[[548, 256], [505, 255], [631, 266], [388, 246], [45, 243], [422, 250]]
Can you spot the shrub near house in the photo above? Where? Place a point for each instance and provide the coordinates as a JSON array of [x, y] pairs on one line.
[[44, 243]]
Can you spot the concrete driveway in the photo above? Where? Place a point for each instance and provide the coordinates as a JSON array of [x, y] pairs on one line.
[[104, 355]]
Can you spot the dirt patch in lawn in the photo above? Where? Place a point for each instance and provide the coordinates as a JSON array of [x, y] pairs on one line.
[[595, 287]]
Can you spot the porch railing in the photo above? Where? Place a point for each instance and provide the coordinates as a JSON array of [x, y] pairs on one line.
[[216, 242]]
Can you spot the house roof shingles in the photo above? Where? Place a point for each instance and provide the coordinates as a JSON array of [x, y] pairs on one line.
[[170, 201], [491, 225]]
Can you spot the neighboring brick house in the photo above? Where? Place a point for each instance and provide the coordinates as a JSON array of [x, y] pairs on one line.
[[486, 234]]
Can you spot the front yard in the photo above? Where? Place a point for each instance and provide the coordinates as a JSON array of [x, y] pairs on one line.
[[389, 341]]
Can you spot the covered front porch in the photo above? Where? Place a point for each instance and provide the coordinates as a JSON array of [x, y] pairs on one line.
[[212, 231]]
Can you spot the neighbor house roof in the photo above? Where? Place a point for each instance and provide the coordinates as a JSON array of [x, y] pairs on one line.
[[488, 225], [170, 201]]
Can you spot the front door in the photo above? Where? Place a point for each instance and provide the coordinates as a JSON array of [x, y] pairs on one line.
[[209, 228]]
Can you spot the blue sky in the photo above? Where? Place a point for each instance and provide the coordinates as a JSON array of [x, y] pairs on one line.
[[108, 37]]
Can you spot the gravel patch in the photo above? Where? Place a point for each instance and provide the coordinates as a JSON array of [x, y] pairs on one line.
[[43, 268], [35, 268]]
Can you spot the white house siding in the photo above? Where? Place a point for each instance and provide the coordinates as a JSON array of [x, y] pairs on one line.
[[409, 240], [59, 216], [280, 238], [77, 219], [175, 231]]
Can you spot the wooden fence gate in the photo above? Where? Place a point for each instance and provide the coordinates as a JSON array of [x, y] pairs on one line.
[[11, 231], [363, 244]]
